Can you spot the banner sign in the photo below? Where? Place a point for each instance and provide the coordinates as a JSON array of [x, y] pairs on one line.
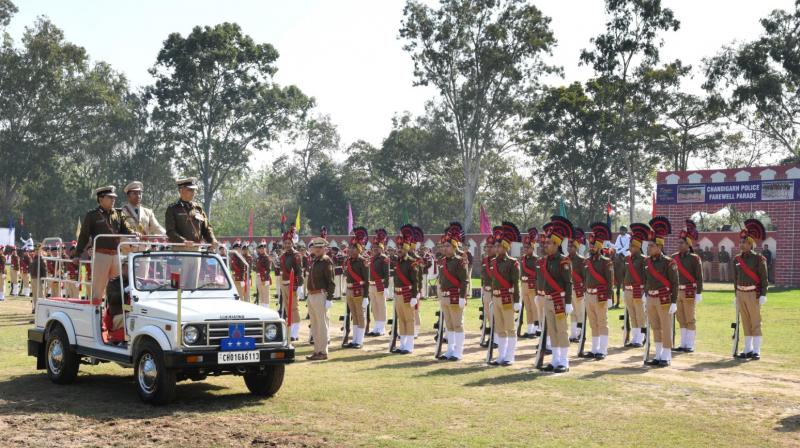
[[729, 192]]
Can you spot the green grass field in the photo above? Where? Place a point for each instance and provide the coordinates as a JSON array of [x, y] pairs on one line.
[[370, 398]]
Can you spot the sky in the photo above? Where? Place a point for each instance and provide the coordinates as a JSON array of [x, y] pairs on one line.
[[346, 53]]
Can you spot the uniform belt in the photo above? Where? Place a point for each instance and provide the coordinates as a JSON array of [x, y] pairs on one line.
[[106, 251], [684, 286], [497, 292], [524, 279], [316, 291], [550, 296], [371, 282], [592, 290], [284, 282], [657, 293], [746, 287], [487, 288]]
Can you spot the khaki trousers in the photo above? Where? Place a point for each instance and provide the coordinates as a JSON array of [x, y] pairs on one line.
[[377, 301], [531, 310], [37, 290], [263, 291], [355, 304], [26, 279], [598, 314], [240, 290], [73, 291], [635, 309], [660, 321], [707, 270], [319, 322], [749, 312], [190, 267], [578, 310], [685, 313], [453, 315], [405, 317], [503, 318], [294, 312], [724, 273], [106, 267], [13, 277], [557, 328], [486, 298]]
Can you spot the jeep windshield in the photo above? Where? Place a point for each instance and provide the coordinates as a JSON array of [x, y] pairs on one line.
[[153, 272]]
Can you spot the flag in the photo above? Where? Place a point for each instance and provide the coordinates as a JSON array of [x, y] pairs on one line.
[[250, 230], [284, 218], [297, 221], [562, 208], [486, 227], [654, 205], [405, 215], [78, 229], [349, 218], [608, 213]]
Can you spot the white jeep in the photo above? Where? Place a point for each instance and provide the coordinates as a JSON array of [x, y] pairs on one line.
[[165, 331]]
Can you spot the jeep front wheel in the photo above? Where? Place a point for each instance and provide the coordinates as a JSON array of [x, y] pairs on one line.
[[266, 383], [62, 362], [155, 383]]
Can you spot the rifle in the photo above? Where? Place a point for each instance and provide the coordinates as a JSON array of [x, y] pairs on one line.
[[735, 337], [490, 345], [582, 328], [539, 359], [366, 317], [439, 327], [674, 320], [346, 325], [393, 323], [485, 330], [646, 356], [519, 319]]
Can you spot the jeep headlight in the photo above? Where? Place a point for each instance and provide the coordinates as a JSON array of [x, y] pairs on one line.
[[190, 334], [271, 332]]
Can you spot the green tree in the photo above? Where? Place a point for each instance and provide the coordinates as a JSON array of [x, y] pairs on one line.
[[630, 43], [216, 101], [485, 59], [760, 81]]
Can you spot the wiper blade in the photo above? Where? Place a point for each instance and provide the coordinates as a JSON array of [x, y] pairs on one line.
[[204, 285]]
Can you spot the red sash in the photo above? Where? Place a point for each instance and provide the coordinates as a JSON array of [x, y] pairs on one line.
[[637, 280], [577, 283], [664, 291], [689, 290], [489, 267], [505, 286], [406, 283], [454, 281], [378, 279], [531, 273], [749, 272], [358, 282], [602, 288], [555, 296]]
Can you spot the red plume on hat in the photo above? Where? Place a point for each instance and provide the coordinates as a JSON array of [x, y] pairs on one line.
[[323, 233], [640, 232], [419, 235], [511, 231], [546, 228], [690, 234], [530, 236], [406, 235], [456, 231], [289, 234], [380, 237], [754, 230], [360, 237], [599, 233], [661, 227], [561, 228], [579, 237]]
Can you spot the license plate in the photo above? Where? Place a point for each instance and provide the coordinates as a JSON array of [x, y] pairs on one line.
[[237, 357]]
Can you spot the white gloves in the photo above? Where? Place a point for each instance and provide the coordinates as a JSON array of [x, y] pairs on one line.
[[462, 303], [762, 300], [517, 306], [609, 302], [365, 302], [698, 298], [673, 308], [299, 293], [328, 304], [568, 308], [413, 302]]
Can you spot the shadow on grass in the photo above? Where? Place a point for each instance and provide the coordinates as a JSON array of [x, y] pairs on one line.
[[617, 371], [715, 365], [110, 396], [789, 424], [407, 365], [464, 370], [357, 358], [517, 377]]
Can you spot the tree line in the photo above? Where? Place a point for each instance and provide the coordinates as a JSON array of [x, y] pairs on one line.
[[495, 134]]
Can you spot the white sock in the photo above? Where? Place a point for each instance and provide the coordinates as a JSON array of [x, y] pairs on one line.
[[748, 344], [684, 341], [690, 334], [635, 334], [666, 354], [416, 330], [502, 343], [757, 344], [379, 327], [595, 344], [658, 350], [510, 349], [547, 345], [604, 344], [531, 328], [450, 343], [459, 348], [573, 330], [565, 356], [295, 330], [410, 346]]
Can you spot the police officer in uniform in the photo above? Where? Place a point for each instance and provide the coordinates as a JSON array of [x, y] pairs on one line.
[[453, 287], [105, 219], [556, 283], [690, 285], [356, 271], [750, 277], [186, 223], [405, 289], [505, 292], [634, 283], [599, 278], [291, 261], [528, 282], [662, 291], [378, 282], [486, 283], [263, 268], [578, 287], [320, 294]]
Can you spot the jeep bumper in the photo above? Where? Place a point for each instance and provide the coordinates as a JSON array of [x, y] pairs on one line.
[[208, 359]]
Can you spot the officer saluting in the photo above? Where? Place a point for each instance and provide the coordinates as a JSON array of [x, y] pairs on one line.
[[662, 291], [750, 278], [186, 223]]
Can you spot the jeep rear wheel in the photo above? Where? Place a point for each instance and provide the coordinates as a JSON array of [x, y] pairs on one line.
[[62, 363], [266, 383], [155, 383]]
